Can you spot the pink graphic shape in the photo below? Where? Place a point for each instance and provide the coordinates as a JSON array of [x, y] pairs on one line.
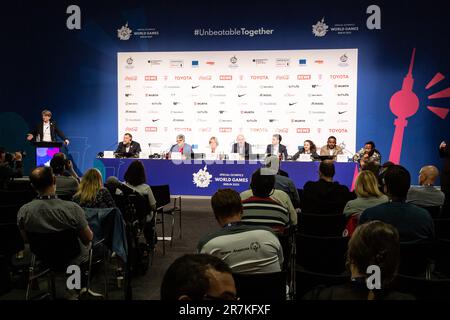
[[441, 94], [52, 151], [440, 112], [404, 104], [437, 78], [355, 175]]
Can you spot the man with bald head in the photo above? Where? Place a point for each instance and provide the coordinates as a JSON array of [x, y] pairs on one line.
[[426, 195], [243, 148]]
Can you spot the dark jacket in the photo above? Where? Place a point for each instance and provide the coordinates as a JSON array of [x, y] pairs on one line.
[[135, 148], [324, 197], [445, 174], [54, 131], [247, 149], [281, 150]]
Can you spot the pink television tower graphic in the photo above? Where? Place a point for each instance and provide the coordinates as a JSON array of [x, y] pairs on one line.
[[404, 104]]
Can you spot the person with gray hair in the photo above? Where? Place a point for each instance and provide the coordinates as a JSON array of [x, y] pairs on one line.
[[242, 147], [426, 194], [182, 147]]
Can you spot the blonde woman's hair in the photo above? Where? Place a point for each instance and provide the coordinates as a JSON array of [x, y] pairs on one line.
[[215, 139], [90, 184], [367, 185]]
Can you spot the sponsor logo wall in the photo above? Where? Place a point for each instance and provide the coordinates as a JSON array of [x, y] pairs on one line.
[[225, 93]]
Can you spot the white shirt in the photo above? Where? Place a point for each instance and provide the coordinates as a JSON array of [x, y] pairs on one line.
[[127, 149], [46, 130], [275, 149]]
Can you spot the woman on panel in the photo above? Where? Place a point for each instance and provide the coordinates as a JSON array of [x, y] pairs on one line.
[[215, 152], [308, 148]]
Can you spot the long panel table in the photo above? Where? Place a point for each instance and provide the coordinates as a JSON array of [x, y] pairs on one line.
[[203, 178]]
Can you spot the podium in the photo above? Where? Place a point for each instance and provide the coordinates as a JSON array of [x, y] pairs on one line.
[[44, 152]]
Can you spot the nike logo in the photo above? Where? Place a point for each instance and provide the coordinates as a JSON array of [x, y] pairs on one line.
[[292, 103], [154, 120], [341, 112], [195, 87], [241, 95]]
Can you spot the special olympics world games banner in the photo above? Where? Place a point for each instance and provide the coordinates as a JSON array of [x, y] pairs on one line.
[[300, 94]]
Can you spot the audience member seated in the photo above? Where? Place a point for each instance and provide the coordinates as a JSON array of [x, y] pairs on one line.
[[413, 223], [367, 192], [66, 186], [262, 200], [283, 182], [91, 193], [69, 171], [382, 172], [373, 243], [426, 194], [11, 165], [245, 248], [198, 277], [48, 214], [325, 196], [135, 178]]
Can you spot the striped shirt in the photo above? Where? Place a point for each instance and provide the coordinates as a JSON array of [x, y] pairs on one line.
[[246, 249], [265, 211]]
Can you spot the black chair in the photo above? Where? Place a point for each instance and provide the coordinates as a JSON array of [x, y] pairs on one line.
[[435, 211], [422, 288], [442, 228], [415, 258], [261, 286], [16, 197], [308, 280], [162, 197], [321, 254], [322, 225], [441, 255], [55, 252], [11, 240]]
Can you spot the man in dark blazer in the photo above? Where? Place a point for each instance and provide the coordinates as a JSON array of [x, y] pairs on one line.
[[243, 148], [276, 148], [444, 152], [128, 148], [47, 130]]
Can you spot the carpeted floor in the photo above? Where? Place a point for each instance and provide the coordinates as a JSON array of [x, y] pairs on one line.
[[197, 220]]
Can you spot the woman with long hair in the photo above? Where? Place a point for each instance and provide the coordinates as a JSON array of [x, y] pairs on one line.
[[91, 193]]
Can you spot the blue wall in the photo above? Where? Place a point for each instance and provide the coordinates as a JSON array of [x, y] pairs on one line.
[[73, 73]]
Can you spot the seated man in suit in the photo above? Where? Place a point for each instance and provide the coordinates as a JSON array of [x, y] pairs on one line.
[[182, 147], [276, 148], [47, 130], [128, 148], [243, 148]]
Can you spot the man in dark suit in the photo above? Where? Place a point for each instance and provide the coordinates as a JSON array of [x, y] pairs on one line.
[[444, 152], [276, 148], [128, 148], [243, 148], [47, 130]]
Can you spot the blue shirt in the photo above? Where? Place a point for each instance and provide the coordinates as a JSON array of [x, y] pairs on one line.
[[413, 223]]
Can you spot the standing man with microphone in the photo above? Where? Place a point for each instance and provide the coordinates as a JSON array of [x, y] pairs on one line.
[[47, 130]]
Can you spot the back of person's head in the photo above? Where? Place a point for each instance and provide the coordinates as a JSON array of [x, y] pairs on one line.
[[58, 163], [135, 174], [193, 277], [366, 185], [226, 203], [375, 243], [42, 178], [272, 162], [373, 167], [263, 182], [428, 174], [90, 184], [397, 181], [326, 168]]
